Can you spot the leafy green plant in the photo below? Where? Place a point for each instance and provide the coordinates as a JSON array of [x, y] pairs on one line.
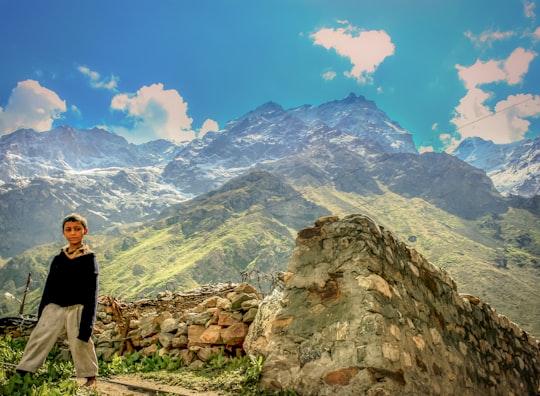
[[136, 363], [53, 379], [151, 363], [117, 365], [218, 361], [234, 376], [253, 370]]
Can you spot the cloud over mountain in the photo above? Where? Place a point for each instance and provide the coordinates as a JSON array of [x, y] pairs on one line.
[[31, 106]]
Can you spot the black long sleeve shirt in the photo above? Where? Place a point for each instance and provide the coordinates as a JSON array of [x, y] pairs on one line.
[[71, 282]]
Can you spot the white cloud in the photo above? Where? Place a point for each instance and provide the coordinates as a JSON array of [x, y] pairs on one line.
[[504, 123], [517, 65], [208, 126], [329, 75], [489, 37], [365, 49], [515, 109], [31, 106], [470, 111], [481, 73], [528, 9], [449, 142], [96, 81], [75, 110], [426, 149], [155, 113], [510, 70]]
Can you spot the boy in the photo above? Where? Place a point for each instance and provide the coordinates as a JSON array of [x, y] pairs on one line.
[[68, 305]]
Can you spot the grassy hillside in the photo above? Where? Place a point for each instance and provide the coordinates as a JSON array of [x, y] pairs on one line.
[[165, 259], [248, 228]]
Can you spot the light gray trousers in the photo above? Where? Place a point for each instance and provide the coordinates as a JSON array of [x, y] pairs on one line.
[[54, 322]]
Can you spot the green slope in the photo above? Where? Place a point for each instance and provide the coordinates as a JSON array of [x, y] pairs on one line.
[[246, 231], [165, 259]]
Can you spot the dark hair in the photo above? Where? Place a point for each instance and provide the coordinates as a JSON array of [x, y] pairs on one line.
[[75, 217]]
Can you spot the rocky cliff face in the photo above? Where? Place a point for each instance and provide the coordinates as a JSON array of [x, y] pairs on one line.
[[364, 314]]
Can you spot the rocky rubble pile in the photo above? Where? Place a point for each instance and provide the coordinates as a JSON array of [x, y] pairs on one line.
[[191, 326]]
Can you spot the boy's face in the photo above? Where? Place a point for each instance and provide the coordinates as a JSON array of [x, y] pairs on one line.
[[74, 232]]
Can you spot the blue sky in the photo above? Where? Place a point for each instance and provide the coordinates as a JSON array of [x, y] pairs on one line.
[[175, 69]]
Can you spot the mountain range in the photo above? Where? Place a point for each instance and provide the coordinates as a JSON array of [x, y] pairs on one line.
[[514, 168], [228, 206]]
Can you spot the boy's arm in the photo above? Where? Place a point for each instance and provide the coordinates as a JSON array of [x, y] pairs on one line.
[[88, 316], [46, 296]]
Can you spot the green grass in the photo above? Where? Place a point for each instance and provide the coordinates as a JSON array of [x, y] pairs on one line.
[[231, 376], [53, 379]]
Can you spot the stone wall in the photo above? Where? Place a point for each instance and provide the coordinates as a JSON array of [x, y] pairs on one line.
[[364, 314], [192, 326]]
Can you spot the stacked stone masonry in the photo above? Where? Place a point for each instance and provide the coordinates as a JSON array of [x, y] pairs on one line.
[[192, 326], [364, 314]]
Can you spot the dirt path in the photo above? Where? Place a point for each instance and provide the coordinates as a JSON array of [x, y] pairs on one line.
[[129, 385]]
